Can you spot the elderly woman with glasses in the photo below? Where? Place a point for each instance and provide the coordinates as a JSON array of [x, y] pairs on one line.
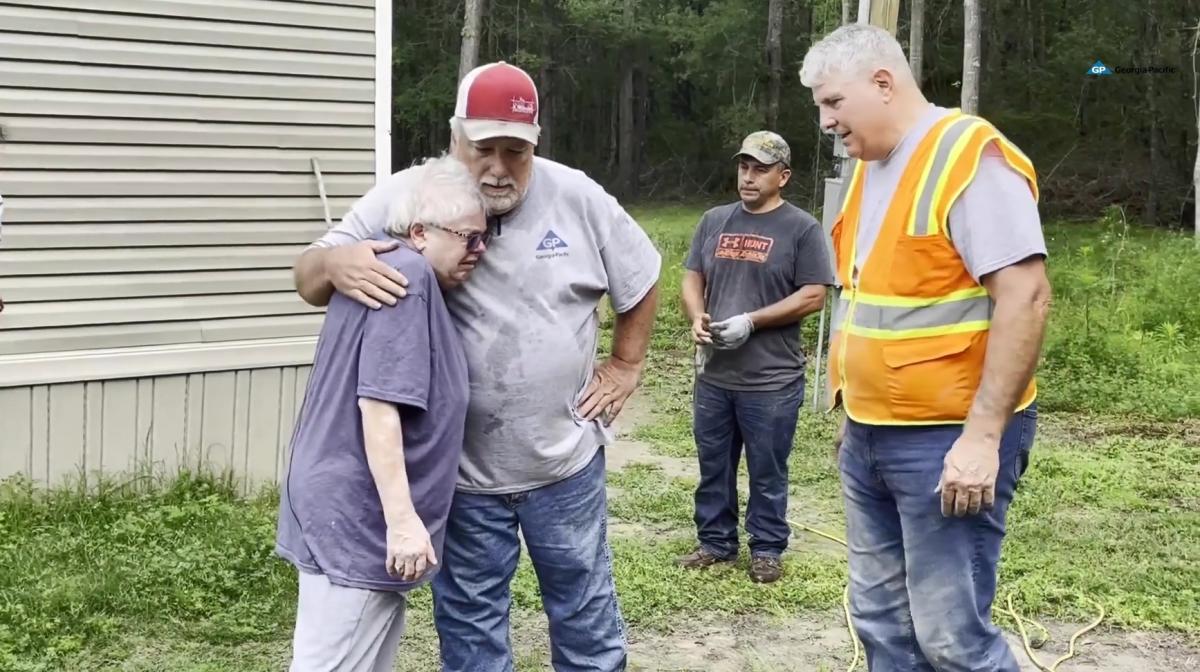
[[375, 452]]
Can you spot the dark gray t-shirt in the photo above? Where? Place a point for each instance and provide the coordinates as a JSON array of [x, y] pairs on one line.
[[330, 518], [749, 262]]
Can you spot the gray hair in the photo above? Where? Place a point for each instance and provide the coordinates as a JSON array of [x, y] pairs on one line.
[[439, 190], [855, 49]]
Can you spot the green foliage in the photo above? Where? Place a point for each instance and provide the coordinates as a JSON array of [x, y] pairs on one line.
[[1124, 333], [701, 83]]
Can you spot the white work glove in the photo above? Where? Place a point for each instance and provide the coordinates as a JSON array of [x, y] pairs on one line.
[[731, 333]]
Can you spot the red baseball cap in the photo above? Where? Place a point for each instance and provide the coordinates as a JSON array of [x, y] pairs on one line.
[[498, 100]]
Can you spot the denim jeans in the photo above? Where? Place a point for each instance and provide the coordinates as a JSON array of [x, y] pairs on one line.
[[564, 526], [765, 423], [922, 584]]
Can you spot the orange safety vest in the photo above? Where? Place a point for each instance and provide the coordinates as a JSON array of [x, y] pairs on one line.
[[911, 330]]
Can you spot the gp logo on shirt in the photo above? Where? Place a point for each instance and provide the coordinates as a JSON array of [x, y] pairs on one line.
[[551, 246], [744, 247]]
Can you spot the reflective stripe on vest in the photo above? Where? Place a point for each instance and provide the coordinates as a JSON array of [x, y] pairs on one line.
[[892, 318], [949, 147]]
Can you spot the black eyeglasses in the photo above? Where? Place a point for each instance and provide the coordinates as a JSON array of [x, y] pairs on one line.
[[475, 239]]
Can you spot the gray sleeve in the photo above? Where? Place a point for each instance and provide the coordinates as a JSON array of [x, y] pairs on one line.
[[995, 221], [694, 260], [367, 217], [394, 354], [812, 257], [631, 261]]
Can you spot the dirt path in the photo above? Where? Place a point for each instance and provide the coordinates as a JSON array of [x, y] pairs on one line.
[[820, 641]]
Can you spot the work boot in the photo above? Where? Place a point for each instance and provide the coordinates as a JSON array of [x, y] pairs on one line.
[[765, 568], [701, 558]]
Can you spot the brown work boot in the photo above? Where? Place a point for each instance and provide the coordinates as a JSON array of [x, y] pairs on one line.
[[701, 558], [765, 568]]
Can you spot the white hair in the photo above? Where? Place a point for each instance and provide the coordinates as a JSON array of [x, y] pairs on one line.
[[439, 191], [854, 50]]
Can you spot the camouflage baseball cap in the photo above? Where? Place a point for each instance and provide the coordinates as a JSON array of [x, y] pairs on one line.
[[766, 147]]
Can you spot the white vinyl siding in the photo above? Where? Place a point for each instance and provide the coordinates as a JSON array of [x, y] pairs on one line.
[[158, 173], [235, 421]]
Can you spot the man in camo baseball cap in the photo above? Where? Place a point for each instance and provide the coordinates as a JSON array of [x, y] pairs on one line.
[[767, 148]]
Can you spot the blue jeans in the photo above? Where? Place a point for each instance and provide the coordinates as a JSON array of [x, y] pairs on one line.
[[765, 423], [565, 529], [922, 584]]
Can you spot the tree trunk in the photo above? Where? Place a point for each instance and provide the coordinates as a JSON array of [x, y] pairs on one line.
[[970, 75], [845, 11], [546, 92], [774, 61], [1196, 166], [468, 58], [916, 39], [1152, 104], [625, 143]]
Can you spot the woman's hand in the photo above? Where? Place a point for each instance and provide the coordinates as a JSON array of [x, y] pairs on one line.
[[409, 550]]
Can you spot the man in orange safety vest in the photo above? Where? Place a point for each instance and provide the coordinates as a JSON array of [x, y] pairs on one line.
[[935, 337]]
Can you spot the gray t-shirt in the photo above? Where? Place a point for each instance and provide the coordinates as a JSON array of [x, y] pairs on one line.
[[993, 224], [529, 317], [330, 518], [750, 261]]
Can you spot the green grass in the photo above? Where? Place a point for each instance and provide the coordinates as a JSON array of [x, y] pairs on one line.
[[180, 575]]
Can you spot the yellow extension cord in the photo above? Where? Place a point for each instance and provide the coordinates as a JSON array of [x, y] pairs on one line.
[[1010, 611]]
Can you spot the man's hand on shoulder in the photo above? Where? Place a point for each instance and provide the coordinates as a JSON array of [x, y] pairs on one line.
[[356, 271]]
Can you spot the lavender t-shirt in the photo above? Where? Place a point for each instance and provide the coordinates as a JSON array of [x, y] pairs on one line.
[[410, 354]]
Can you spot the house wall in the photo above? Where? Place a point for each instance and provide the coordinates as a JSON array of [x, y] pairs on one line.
[[159, 183]]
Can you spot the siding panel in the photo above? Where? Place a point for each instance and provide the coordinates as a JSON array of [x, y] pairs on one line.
[[194, 418], [185, 209], [217, 425], [141, 132], [39, 460], [287, 415], [106, 311], [93, 435], [241, 422], [35, 75], [188, 108], [72, 49], [118, 183], [16, 407], [168, 429], [119, 439], [88, 428], [75, 287], [153, 234], [144, 424], [244, 11], [29, 341], [66, 433], [177, 159], [144, 259], [156, 30], [264, 406]]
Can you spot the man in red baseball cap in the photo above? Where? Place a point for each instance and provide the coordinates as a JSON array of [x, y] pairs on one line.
[[533, 457]]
